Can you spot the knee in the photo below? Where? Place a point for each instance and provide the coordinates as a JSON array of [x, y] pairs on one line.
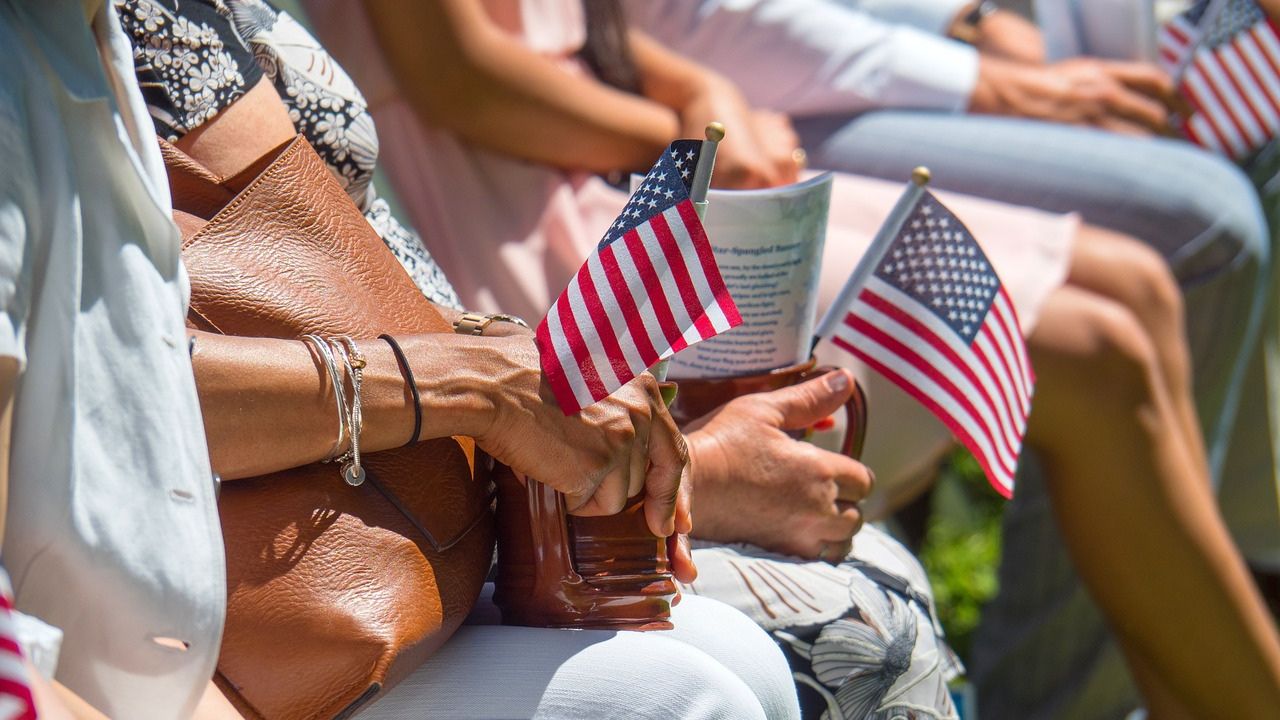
[[676, 678], [739, 644], [1117, 361], [1152, 286]]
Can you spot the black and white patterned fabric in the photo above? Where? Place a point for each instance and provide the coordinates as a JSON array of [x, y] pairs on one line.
[[195, 57]]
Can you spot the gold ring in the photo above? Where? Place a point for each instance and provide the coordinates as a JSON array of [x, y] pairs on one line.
[[801, 157]]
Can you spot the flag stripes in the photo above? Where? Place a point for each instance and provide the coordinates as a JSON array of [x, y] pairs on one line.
[[633, 303], [990, 389], [16, 700], [1232, 82]]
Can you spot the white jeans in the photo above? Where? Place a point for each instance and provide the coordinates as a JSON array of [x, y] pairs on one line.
[[716, 664]]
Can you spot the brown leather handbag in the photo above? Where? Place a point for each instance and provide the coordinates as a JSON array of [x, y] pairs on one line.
[[334, 592]]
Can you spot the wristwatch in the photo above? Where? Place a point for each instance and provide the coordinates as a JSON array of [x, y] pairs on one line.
[[474, 323], [966, 28]]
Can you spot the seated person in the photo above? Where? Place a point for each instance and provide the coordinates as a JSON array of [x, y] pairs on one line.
[[1159, 323], [817, 523], [876, 87], [108, 438], [517, 112]]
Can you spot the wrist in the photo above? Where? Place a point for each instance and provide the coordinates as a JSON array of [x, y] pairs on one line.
[[967, 24], [706, 459], [993, 88], [459, 381]]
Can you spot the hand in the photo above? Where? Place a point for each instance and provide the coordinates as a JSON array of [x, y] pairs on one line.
[[778, 143], [1003, 34], [741, 159], [679, 551], [615, 449], [754, 483], [1126, 97]]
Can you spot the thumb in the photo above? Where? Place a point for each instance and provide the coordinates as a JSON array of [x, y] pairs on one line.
[[800, 406]]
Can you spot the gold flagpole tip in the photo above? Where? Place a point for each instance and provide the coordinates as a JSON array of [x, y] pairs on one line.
[[715, 131], [920, 176]]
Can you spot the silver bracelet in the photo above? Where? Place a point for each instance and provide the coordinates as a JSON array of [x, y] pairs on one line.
[[325, 354], [352, 471]]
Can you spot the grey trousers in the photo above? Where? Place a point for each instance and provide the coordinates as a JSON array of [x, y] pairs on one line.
[[1043, 650]]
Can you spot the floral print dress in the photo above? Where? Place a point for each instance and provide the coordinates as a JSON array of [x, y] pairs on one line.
[[193, 58]]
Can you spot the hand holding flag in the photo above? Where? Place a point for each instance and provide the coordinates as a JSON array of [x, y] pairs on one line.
[[651, 288], [925, 309]]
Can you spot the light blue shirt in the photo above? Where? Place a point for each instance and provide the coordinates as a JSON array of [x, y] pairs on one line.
[[112, 532]]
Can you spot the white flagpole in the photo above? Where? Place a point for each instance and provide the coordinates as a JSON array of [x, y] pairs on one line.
[[698, 194], [875, 253], [706, 165]]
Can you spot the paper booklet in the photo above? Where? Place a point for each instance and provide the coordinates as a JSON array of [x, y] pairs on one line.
[[768, 244]]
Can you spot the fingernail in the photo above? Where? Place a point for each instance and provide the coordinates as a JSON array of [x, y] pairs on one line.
[[838, 381]]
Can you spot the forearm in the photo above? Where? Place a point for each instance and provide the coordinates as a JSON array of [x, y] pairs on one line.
[[667, 77], [498, 94], [269, 405]]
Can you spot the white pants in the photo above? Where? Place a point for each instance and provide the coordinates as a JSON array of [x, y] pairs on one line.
[[716, 664]]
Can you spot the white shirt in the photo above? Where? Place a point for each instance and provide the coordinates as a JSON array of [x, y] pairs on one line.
[[814, 57], [932, 16], [112, 533]]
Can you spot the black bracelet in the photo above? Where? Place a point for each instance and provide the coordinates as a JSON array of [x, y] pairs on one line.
[[413, 386]]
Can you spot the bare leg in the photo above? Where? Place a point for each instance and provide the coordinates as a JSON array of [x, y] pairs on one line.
[[1137, 513], [1125, 270]]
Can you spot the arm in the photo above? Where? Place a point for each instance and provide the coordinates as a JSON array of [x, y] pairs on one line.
[[998, 33], [492, 91], [758, 150], [814, 57], [502, 96], [268, 406]]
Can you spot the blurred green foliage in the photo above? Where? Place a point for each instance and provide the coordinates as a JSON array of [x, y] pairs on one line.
[[961, 548]]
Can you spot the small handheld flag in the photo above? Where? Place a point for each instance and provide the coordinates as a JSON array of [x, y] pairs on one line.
[[1224, 56], [925, 309], [16, 700], [651, 289]]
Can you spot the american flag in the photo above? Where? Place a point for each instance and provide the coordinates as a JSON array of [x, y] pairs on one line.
[[1225, 57], [650, 289], [16, 702], [933, 318]]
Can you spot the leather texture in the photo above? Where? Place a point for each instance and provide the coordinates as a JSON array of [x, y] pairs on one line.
[[334, 592]]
